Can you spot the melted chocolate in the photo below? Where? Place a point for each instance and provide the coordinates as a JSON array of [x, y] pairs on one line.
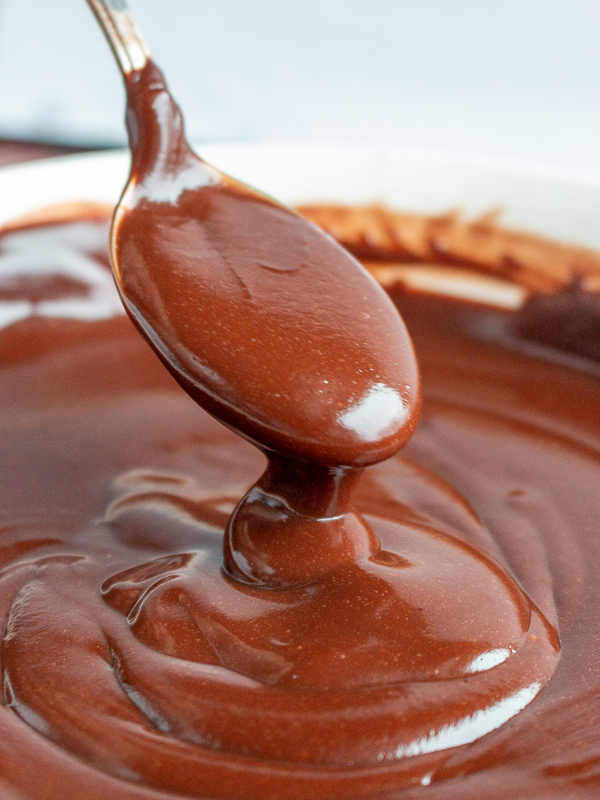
[[274, 329], [134, 666], [568, 320], [265, 320]]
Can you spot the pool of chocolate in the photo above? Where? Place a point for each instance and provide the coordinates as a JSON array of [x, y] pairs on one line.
[[133, 667]]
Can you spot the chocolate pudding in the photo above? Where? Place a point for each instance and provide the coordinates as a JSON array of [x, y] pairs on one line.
[[183, 618]]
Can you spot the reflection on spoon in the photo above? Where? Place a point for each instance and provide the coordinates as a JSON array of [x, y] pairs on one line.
[[380, 410]]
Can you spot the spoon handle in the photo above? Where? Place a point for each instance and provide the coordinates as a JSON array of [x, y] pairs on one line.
[[127, 43]]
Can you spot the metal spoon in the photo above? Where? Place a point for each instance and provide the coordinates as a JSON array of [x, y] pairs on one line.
[[266, 321]]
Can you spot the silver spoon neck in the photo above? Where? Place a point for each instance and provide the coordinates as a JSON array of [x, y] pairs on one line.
[[127, 43]]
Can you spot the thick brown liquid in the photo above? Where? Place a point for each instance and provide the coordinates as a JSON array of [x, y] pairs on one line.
[[279, 333], [274, 329], [134, 667]]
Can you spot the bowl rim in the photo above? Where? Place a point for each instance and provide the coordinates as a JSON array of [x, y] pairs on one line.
[[562, 205], [100, 175]]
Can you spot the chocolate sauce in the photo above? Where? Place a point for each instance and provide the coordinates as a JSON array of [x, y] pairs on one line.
[[274, 329], [568, 320], [265, 320], [279, 333], [134, 666], [331, 631]]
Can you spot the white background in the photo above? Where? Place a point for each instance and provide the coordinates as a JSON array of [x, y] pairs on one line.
[[517, 79]]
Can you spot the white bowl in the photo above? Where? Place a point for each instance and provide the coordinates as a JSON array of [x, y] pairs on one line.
[[557, 205]]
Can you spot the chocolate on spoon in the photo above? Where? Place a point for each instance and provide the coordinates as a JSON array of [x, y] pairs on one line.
[[278, 332], [265, 320], [268, 323]]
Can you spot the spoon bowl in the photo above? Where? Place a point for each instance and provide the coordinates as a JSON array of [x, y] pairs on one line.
[[267, 322]]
